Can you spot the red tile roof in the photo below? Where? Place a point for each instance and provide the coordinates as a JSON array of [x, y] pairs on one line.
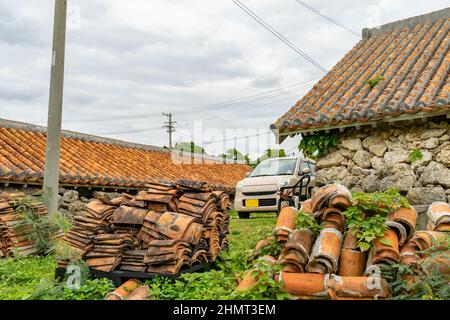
[[95, 161], [411, 55]]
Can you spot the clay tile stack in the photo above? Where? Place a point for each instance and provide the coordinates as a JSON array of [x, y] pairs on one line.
[[168, 256], [328, 204], [325, 253], [108, 250], [412, 252], [161, 196], [198, 205], [295, 254], [84, 228], [223, 200], [191, 185], [133, 260], [141, 233], [439, 217], [403, 221], [128, 219], [333, 265], [13, 233]]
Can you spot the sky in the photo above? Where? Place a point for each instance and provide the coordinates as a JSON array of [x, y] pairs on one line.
[[220, 73]]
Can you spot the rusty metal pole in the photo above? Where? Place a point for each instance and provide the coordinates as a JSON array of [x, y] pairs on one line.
[[52, 157]]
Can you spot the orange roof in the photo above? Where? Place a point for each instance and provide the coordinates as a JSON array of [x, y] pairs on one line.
[[412, 56], [96, 161]]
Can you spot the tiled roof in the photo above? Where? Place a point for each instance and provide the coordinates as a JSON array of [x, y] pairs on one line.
[[411, 55], [96, 161]]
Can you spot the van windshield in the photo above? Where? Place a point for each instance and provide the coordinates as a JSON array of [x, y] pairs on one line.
[[275, 167]]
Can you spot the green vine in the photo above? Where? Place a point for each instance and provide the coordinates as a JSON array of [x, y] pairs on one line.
[[319, 144], [305, 221], [367, 216], [265, 288]]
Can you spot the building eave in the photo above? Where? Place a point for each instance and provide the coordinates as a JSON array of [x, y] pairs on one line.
[[281, 136]]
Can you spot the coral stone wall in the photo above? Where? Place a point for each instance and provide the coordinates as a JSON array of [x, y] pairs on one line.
[[374, 159]]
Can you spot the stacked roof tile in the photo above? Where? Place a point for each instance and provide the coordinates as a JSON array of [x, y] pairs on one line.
[[411, 58], [95, 161], [150, 232]]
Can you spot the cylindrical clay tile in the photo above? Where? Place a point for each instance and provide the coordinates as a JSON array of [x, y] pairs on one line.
[[305, 285], [359, 287], [285, 224], [325, 253], [124, 290], [249, 280], [352, 262]]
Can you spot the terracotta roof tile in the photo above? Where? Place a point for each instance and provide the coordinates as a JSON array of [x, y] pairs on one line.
[[89, 160], [411, 55]]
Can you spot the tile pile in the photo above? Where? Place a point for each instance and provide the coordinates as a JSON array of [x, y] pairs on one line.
[[13, 231], [107, 252], [84, 228], [166, 229], [332, 266]]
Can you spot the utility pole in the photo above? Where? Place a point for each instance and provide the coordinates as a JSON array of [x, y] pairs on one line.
[[170, 126], [53, 146]]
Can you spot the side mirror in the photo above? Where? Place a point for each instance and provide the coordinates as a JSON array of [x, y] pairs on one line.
[[306, 171], [248, 174]]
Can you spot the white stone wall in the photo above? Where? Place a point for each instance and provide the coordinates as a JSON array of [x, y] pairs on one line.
[[374, 159]]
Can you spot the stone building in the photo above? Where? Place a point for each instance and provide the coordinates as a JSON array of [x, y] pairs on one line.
[[388, 102]]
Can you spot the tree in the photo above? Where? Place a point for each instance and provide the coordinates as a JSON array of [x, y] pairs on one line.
[[189, 147], [271, 153]]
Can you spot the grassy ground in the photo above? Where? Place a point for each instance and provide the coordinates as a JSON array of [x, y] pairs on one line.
[[32, 278]]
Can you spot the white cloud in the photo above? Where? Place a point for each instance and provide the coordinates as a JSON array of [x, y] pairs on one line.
[[140, 57]]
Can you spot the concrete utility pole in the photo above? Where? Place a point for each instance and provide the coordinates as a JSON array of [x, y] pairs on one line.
[[51, 176], [170, 126]]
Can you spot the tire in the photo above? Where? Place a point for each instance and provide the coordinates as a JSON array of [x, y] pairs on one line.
[[244, 215]]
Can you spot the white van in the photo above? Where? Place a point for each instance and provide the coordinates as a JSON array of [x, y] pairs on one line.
[[262, 189]]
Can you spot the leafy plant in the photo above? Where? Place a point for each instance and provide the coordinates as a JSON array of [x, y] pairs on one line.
[[38, 228], [317, 145], [305, 221], [367, 230], [421, 281], [374, 81], [415, 155], [265, 287], [378, 204]]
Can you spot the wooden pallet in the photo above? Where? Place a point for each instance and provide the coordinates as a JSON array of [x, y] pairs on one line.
[[119, 277]]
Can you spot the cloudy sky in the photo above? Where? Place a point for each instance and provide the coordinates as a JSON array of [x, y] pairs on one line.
[[219, 72]]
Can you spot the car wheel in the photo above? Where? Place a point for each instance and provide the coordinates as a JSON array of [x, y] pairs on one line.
[[244, 215]]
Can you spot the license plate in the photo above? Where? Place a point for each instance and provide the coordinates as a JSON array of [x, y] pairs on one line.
[[252, 203]]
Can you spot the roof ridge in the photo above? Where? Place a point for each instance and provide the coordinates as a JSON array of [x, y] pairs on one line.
[[11, 124], [428, 18]]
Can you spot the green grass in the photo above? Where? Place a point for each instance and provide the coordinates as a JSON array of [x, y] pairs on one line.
[[32, 278]]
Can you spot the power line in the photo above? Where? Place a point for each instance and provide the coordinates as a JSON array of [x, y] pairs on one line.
[[229, 103], [234, 139], [307, 6], [187, 123], [278, 35]]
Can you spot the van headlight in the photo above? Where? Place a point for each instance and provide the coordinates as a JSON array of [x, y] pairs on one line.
[[282, 183], [240, 186]]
